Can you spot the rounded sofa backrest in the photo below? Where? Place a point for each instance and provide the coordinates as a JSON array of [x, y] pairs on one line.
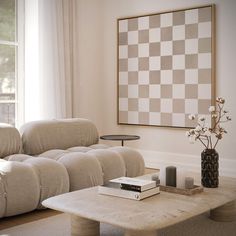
[[41, 136], [10, 140]]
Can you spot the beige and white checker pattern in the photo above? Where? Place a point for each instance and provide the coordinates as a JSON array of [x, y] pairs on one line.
[[165, 68]]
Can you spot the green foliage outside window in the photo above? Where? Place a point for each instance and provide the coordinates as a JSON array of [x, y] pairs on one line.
[[8, 47]]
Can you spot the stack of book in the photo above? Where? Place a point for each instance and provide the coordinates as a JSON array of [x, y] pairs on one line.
[[131, 188]]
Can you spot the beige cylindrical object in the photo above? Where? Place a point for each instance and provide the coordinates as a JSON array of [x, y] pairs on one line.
[[162, 175], [225, 213], [180, 180], [84, 227], [140, 233], [189, 182]]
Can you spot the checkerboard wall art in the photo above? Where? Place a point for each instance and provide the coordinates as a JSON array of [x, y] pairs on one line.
[[166, 67]]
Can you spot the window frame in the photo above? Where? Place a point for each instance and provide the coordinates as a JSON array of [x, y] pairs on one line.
[[19, 119], [19, 62]]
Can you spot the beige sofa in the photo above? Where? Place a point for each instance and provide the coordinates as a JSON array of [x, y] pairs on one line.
[[47, 158]]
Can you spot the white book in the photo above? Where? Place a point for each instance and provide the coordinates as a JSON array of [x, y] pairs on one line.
[[134, 195], [134, 183]]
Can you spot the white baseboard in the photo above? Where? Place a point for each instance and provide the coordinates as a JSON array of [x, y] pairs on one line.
[[155, 159]]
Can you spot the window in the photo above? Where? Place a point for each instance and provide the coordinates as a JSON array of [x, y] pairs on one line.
[[9, 60]]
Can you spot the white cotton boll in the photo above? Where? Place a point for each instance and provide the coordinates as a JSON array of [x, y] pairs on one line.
[[192, 140], [187, 133], [207, 133], [212, 108], [214, 116], [198, 128], [201, 118], [191, 117]]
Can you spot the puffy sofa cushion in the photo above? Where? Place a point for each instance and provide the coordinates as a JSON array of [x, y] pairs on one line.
[[112, 163], [20, 187], [26, 182], [41, 136], [130, 156], [83, 169], [52, 177], [10, 140], [18, 157], [54, 154]]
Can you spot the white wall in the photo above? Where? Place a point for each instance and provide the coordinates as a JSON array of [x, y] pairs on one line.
[[88, 85], [98, 81]]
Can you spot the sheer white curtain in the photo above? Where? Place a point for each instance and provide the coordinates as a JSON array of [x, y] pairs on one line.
[[49, 58]]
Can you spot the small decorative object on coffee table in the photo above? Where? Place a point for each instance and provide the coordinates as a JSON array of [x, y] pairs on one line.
[[171, 176], [209, 137], [182, 191], [189, 182], [177, 182], [122, 138]]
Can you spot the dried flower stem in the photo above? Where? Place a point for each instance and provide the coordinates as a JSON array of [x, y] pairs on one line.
[[208, 136], [216, 143], [210, 142], [203, 143]]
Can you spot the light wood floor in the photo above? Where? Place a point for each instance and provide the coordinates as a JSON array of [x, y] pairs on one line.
[[8, 222]]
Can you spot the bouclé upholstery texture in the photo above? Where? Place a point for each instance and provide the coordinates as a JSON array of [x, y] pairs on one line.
[[41, 136], [53, 157], [21, 188], [10, 140]]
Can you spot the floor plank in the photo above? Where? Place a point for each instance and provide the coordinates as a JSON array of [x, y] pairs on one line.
[[11, 221]]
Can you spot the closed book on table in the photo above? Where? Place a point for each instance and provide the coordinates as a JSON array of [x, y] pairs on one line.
[[116, 191], [134, 184]]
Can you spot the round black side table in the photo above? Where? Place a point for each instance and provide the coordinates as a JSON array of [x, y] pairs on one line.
[[122, 138]]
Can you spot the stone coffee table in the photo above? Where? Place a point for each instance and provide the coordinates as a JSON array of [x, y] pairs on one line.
[[88, 208]]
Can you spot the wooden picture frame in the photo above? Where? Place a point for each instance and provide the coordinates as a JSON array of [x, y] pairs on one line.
[[166, 67]]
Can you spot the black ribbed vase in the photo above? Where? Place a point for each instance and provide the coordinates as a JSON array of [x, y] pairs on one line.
[[210, 168]]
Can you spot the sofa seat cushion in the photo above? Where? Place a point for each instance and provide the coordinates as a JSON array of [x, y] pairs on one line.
[[57, 152], [83, 169], [108, 163], [99, 146], [52, 177], [20, 185], [111, 162], [18, 157], [134, 162], [79, 149], [54, 154]]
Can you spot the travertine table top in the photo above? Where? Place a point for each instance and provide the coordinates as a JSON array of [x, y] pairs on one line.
[[149, 214]]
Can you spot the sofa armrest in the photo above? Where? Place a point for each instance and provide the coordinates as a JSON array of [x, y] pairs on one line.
[[10, 140]]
